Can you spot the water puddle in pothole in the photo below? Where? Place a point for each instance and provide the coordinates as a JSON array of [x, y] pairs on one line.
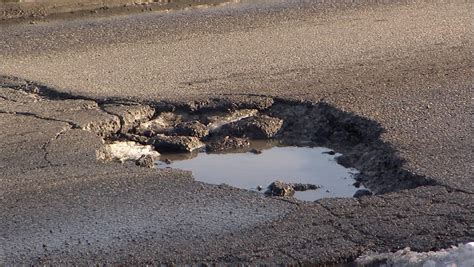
[[265, 163]]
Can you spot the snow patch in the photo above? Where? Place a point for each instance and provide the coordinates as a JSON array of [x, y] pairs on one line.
[[460, 256], [128, 150]]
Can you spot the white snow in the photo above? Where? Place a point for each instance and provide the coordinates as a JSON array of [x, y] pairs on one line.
[[460, 256], [127, 150]]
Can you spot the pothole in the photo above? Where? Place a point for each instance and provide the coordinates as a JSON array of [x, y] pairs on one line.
[[228, 132], [308, 173], [221, 125]]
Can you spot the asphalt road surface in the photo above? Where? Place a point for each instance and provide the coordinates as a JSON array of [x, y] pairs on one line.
[[406, 65]]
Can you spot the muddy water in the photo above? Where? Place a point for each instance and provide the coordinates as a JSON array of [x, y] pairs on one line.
[[248, 170]]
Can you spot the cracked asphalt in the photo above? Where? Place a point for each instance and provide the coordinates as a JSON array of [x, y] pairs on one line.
[[406, 65]]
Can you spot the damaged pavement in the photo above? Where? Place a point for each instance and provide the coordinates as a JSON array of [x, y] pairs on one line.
[[63, 205], [395, 101]]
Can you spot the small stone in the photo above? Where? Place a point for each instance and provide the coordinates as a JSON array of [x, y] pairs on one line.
[[362, 192], [259, 188], [147, 161], [255, 151], [281, 189], [331, 152]]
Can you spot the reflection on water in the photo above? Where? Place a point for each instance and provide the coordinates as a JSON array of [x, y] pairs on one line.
[[289, 164]]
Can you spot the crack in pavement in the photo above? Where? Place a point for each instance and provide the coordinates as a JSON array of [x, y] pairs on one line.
[[49, 93], [456, 189], [44, 147], [121, 118], [72, 124]]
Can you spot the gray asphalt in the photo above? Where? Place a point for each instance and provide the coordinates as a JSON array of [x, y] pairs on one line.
[[407, 66]]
